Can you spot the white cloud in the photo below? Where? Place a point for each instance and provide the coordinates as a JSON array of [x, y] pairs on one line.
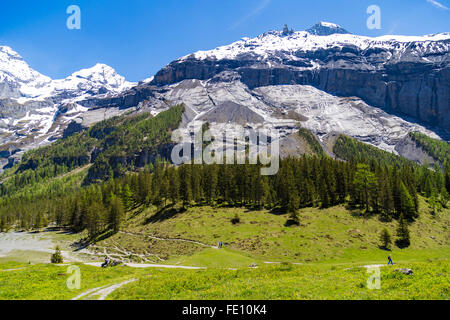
[[257, 10], [438, 5]]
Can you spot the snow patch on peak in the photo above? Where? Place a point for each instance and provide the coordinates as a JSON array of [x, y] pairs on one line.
[[326, 29], [329, 24], [17, 77], [10, 52], [319, 37], [100, 75], [19, 81]]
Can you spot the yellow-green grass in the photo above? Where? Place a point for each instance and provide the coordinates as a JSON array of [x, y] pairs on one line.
[[49, 282], [285, 281], [216, 258], [429, 281], [332, 235]]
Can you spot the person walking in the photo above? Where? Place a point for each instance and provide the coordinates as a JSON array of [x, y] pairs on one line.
[[390, 260]]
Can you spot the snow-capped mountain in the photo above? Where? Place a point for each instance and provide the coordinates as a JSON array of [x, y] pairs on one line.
[[403, 74], [324, 79], [35, 109], [17, 79], [272, 46]]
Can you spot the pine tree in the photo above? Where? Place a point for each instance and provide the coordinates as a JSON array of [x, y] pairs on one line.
[[444, 197], [144, 187], [127, 197], [365, 183], [263, 191], [185, 184], [57, 257], [407, 207], [385, 239], [293, 204], [163, 190], [428, 188], [3, 224], [447, 176], [95, 219], [210, 183], [174, 186], [117, 214], [196, 184], [386, 198], [403, 240]]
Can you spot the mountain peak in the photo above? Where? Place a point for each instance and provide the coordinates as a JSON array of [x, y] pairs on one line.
[[100, 75], [326, 28], [5, 50]]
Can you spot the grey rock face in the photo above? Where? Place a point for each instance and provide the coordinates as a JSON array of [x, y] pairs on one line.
[[232, 112], [407, 148], [405, 77]]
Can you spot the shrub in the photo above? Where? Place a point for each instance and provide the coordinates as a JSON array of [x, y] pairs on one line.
[[57, 256]]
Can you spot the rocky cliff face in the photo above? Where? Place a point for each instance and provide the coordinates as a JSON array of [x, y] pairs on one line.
[[406, 75]]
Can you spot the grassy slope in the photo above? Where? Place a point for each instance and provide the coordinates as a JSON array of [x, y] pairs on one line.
[[330, 244], [332, 235]]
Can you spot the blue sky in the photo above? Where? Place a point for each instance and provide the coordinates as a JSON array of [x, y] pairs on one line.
[[138, 37]]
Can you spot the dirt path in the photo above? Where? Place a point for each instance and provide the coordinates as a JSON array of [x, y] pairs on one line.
[[370, 266], [170, 239], [147, 265], [144, 265], [101, 293]]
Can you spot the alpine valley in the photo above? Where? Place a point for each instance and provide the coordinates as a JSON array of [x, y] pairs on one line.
[[87, 175]]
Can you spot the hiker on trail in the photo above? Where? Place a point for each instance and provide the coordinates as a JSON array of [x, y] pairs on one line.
[[390, 260], [106, 263]]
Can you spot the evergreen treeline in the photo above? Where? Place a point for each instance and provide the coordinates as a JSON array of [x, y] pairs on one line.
[[391, 191]]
